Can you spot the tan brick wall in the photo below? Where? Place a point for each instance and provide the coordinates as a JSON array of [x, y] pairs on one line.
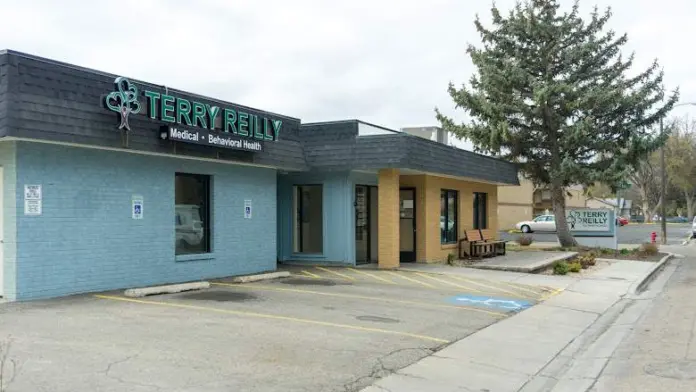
[[576, 199], [388, 218], [509, 215], [429, 248], [522, 194], [515, 203]]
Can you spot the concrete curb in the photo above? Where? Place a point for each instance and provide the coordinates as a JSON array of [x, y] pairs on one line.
[[168, 289], [259, 277], [639, 285]]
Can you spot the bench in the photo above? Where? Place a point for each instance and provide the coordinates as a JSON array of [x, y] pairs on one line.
[[473, 245], [488, 237]]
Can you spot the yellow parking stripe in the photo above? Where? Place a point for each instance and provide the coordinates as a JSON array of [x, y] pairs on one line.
[[551, 294], [372, 276], [491, 287], [311, 275], [447, 282], [344, 276], [365, 297], [522, 288], [274, 317], [411, 279]]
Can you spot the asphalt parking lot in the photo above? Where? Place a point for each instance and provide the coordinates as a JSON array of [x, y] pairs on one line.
[[633, 233], [322, 329]]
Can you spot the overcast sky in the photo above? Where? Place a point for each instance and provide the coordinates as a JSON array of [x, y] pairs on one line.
[[381, 61]]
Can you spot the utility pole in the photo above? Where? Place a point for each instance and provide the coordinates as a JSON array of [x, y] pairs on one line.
[[663, 190]]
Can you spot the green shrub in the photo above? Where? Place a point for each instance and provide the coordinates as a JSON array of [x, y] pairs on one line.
[[450, 258], [575, 266], [607, 251], [625, 251], [648, 249], [560, 268], [524, 240], [586, 260]]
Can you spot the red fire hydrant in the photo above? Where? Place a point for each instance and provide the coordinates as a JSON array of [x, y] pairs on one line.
[[653, 237]]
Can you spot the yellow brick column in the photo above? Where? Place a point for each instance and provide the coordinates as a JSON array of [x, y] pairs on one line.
[[431, 220], [388, 218]]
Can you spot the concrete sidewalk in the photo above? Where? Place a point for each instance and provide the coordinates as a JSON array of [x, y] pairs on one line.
[[527, 262], [527, 352], [548, 245]]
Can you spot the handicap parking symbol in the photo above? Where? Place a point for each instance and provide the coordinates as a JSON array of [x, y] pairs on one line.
[[137, 210], [505, 304]]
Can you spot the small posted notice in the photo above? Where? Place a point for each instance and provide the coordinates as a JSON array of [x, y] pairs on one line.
[[32, 200], [247, 209], [137, 209]]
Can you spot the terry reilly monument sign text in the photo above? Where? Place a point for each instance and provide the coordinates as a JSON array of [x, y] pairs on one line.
[[589, 220], [230, 128]]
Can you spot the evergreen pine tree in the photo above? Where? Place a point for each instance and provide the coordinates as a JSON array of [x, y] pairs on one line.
[[553, 93]]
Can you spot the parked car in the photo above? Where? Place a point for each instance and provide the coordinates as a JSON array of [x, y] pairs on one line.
[[622, 221], [637, 218], [540, 223], [188, 225]]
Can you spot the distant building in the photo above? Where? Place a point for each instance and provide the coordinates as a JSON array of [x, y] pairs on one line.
[[524, 202], [433, 133], [622, 207]]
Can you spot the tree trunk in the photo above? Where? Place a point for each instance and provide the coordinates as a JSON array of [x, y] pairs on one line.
[[646, 205], [646, 212], [689, 205], [653, 212], [559, 211]]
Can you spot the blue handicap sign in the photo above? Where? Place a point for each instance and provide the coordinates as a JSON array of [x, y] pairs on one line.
[[137, 208], [497, 303]]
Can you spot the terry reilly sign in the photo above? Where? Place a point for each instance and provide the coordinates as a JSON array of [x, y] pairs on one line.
[[589, 220], [191, 121]]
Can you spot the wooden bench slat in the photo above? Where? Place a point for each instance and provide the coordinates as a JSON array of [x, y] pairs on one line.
[[489, 237]]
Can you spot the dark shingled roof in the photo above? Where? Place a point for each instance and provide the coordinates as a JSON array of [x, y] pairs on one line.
[[338, 146], [49, 100]]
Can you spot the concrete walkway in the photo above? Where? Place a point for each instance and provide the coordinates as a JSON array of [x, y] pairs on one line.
[[527, 262], [659, 353], [548, 245], [534, 349]]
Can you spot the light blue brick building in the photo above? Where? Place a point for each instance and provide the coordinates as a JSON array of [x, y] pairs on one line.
[[109, 183]]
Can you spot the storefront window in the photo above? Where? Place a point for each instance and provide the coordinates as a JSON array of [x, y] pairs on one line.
[[480, 210], [192, 216], [448, 216], [308, 231]]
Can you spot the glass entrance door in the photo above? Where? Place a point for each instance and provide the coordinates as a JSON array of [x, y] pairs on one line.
[[362, 224], [407, 225]]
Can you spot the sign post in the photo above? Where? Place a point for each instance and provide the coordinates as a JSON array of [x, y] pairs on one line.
[[594, 227]]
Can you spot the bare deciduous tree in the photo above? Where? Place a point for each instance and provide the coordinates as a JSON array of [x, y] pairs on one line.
[[645, 180], [680, 152]]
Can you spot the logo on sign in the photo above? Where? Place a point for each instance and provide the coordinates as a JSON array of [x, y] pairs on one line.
[[123, 101]]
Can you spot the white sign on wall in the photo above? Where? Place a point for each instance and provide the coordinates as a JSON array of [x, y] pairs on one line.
[[247, 209], [32, 200], [137, 207], [589, 220], [32, 192]]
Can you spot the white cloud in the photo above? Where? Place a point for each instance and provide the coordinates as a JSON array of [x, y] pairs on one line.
[[382, 61]]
